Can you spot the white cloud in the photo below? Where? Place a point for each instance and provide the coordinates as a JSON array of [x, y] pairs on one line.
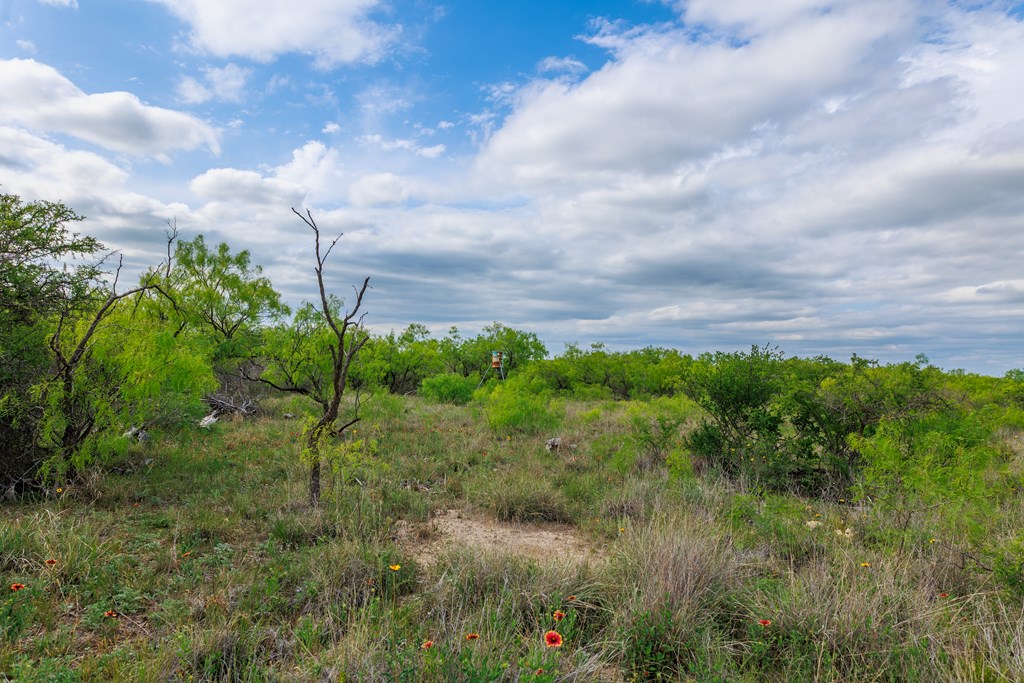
[[316, 168], [226, 84], [39, 97], [752, 16], [666, 98], [431, 152], [333, 31], [26, 46], [36, 168], [379, 141], [566, 65], [331, 128], [61, 3], [379, 189], [230, 185]]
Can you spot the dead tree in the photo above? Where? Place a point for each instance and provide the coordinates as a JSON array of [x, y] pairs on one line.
[[348, 339]]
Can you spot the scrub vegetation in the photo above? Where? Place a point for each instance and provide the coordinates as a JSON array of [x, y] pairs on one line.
[[747, 516]]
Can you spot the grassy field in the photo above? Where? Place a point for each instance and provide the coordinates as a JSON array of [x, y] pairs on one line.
[[197, 558]]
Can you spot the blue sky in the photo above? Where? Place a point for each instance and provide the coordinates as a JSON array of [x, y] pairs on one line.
[[832, 177]]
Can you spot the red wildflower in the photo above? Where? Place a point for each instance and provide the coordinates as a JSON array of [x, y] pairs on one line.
[[558, 615], [51, 562], [427, 644], [110, 614], [571, 598], [943, 595], [17, 587], [765, 622], [553, 639], [539, 671], [472, 636]]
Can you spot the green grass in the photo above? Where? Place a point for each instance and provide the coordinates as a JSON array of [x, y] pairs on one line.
[[214, 569]]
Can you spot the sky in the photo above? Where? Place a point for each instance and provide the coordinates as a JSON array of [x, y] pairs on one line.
[[830, 177]]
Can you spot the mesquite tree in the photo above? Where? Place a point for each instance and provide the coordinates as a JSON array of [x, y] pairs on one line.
[[312, 357]]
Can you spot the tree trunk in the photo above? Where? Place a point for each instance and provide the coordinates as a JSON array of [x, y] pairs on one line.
[[314, 482]]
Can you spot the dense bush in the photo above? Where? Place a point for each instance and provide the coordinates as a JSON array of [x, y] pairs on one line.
[[513, 407], [449, 388]]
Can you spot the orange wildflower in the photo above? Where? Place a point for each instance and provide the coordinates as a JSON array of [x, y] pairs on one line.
[[571, 598], [110, 614], [558, 615], [17, 587], [472, 636], [394, 567], [765, 622], [427, 644], [943, 595], [553, 639]]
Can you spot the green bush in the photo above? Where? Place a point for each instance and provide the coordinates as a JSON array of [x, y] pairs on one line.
[[739, 392], [513, 408], [651, 647], [449, 388]]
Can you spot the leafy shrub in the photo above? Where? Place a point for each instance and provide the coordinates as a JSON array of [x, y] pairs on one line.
[[449, 388], [938, 459], [650, 648], [511, 407], [1008, 565], [738, 391], [654, 433]]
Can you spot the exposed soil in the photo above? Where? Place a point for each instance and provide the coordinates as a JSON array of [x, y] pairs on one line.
[[455, 528]]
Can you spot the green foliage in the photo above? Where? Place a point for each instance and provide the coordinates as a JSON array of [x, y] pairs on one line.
[[739, 391], [349, 458], [939, 459], [234, 581], [35, 240], [449, 388], [43, 274], [398, 363], [297, 356], [118, 380], [512, 407], [523, 499], [92, 363], [1015, 386], [469, 357], [1008, 564], [651, 647], [598, 373], [787, 423], [221, 297], [655, 433]]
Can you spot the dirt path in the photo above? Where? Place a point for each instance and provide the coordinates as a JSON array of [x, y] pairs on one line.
[[455, 529]]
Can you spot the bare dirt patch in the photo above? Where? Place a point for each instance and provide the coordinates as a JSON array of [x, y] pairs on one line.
[[458, 529]]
